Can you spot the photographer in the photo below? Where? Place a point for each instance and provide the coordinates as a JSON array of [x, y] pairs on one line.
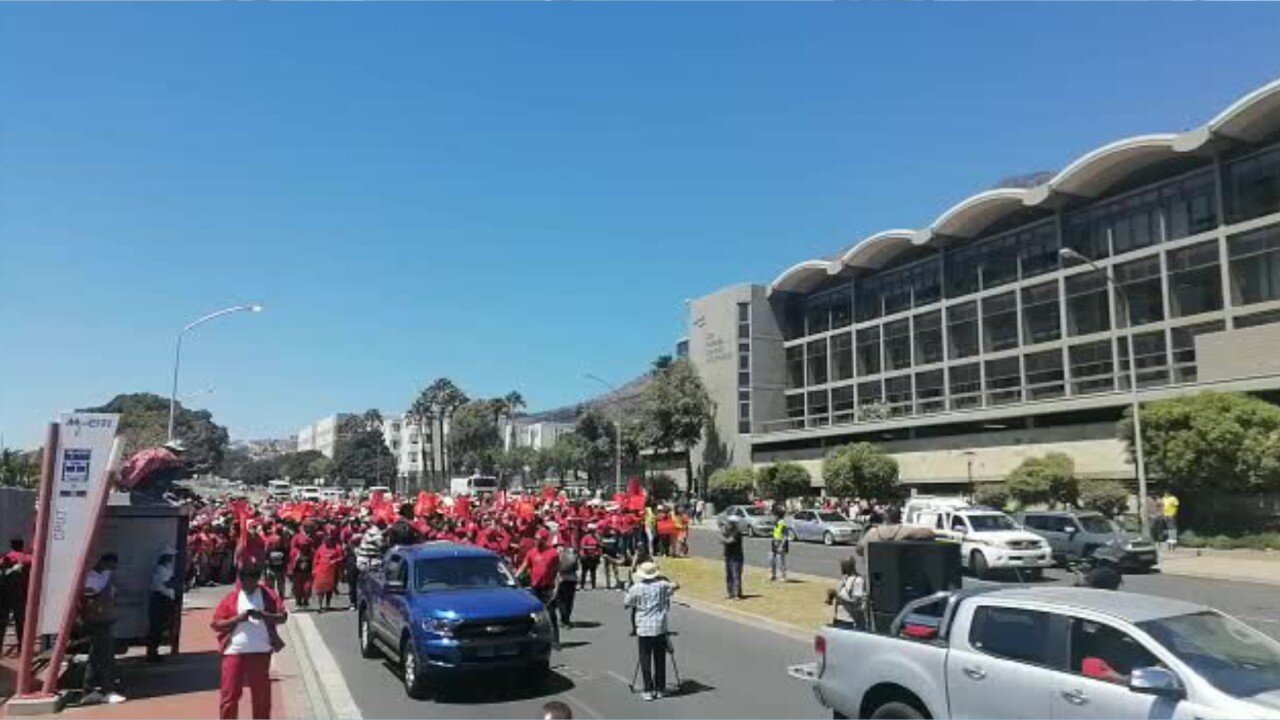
[[650, 600]]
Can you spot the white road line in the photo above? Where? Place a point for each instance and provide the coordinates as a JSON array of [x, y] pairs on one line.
[[587, 709], [618, 677], [333, 686], [1246, 618]]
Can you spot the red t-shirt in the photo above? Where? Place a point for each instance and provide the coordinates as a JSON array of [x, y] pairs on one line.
[[543, 566]]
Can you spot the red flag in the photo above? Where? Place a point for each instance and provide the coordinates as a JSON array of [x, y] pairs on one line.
[[548, 493], [620, 499], [425, 505], [462, 507], [634, 487]]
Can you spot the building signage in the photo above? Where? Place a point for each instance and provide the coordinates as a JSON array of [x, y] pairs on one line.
[[717, 349], [83, 457]]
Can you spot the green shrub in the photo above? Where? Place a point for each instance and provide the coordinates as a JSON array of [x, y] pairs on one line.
[[1190, 539], [1251, 541]]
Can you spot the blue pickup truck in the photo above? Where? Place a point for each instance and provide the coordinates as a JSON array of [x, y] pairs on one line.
[[444, 609]]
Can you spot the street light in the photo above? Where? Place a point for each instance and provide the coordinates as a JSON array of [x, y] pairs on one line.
[[1069, 254], [617, 432], [177, 353]]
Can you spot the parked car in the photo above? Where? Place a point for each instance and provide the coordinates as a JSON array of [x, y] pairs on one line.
[[825, 526], [1049, 653], [1077, 534], [307, 492], [332, 494], [750, 520], [444, 609], [989, 540]]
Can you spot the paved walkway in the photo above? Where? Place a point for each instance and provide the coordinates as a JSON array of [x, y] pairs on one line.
[[1255, 566], [186, 685]]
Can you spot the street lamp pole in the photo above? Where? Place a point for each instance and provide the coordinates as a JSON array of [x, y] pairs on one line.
[[1139, 459], [177, 352], [617, 432]]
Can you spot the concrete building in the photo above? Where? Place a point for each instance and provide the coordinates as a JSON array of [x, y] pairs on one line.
[[416, 450], [968, 345], [322, 435]]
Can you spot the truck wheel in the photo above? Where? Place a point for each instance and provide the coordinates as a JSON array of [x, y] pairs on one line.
[[828, 538], [978, 563], [415, 683], [896, 711], [367, 649]]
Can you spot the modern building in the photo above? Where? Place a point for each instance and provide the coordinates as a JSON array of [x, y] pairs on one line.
[[968, 345], [322, 435], [538, 435]]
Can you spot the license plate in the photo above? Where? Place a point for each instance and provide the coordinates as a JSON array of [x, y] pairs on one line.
[[492, 651], [1147, 557]]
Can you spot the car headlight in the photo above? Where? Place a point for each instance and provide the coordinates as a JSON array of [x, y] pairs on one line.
[[441, 626], [541, 622]]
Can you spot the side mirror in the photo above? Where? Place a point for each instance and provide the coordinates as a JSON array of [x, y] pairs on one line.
[[1156, 681], [395, 586], [1072, 530]]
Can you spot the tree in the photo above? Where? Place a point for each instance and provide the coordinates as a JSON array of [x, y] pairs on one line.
[[372, 419], [675, 409], [598, 434], [513, 462], [449, 398], [566, 457], [731, 486], [662, 487], [297, 466], [422, 413], [144, 423], [358, 457], [1050, 479], [783, 481], [994, 495], [321, 467], [1106, 496], [19, 469], [863, 471], [473, 437], [1210, 442]]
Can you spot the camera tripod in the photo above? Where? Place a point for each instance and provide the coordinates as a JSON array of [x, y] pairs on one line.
[[671, 650]]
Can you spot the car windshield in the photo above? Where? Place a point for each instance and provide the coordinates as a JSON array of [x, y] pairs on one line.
[[462, 572], [1234, 657], [832, 517], [755, 511], [994, 521], [1097, 524]]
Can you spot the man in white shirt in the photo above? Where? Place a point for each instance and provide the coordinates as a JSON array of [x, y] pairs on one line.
[[160, 609], [97, 616]]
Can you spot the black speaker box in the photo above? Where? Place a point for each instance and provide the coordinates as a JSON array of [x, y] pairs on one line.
[[899, 571]]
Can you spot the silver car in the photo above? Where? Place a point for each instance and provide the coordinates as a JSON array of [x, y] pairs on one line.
[[749, 519], [827, 526]]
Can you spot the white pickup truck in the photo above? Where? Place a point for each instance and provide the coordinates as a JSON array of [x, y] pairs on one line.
[[989, 540], [1062, 653]]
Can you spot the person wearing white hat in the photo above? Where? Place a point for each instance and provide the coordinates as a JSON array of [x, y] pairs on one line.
[[649, 598], [161, 607]]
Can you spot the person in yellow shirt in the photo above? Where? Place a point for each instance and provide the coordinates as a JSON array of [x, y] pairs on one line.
[[1169, 506]]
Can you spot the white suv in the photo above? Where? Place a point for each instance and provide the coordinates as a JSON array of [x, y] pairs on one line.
[[990, 540]]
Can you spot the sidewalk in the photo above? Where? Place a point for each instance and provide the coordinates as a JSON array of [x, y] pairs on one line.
[[1253, 566], [186, 685]]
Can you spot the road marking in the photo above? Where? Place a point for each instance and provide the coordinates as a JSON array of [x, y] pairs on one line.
[[619, 678], [1246, 618], [332, 685], [585, 707]]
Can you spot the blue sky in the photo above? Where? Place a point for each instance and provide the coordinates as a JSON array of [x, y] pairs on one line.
[[509, 195]]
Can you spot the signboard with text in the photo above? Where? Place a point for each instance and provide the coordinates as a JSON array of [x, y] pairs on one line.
[[81, 464]]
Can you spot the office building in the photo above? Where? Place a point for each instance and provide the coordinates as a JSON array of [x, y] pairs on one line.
[[971, 344]]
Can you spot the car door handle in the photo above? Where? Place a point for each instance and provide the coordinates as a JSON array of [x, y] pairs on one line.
[[1075, 697], [975, 673]]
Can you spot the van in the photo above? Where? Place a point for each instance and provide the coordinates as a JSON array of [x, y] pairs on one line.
[[279, 490], [473, 485]]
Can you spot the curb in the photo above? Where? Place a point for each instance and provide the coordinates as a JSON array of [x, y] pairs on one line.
[[1226, 577], [327, 695], [794, 632]]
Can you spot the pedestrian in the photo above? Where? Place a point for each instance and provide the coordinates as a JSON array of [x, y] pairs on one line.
[[731, 541], [567, 588], [1169, 507], [301, 552], [351, 570], [779, 546], [651, 529], [589, 556], [1154, 511], [649, 598], [699, 509], [162, 603], [402, 531], [542, 563], [15, 573], [612, 555], [556, 710], [327, 562], [850, 597], [246, 622], [97, 619], [277, 549]]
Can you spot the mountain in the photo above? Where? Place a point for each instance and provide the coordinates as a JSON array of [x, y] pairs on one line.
[[626, 397]]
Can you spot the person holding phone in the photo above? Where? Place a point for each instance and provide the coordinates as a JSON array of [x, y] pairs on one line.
[[246, 622]]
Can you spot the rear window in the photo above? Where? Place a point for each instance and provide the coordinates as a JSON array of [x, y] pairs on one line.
[[833, 517], [1014, 633]]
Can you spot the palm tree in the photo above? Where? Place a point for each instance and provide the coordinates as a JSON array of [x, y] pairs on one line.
[[507, 405], [422, 413], [372, 419], [451, 398]]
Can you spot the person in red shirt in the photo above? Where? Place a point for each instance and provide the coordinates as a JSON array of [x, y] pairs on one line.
[[589, 555], [245, 622], [543, 564], [15, 570]]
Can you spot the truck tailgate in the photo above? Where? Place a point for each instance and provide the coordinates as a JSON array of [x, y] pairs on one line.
[[858, 661]]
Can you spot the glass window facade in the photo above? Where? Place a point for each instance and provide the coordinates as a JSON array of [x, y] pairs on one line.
[[842, 407], [795, 367], [1252, 186], [1087, 310], [1190, 206], [1255, 266], [795, 410], [1045, 376], [1004, 381], [897, 345], [1041, 314], [819, 410], [1092, 369], [898, 396], [1183, 341], [842, 357], [966, 386], [931, 391], [1000, 322], [1195, 280], [1038, 250], [928, 329], [868, 350], [962, 330], [816, 362], [1153, 362], [1141, 283]]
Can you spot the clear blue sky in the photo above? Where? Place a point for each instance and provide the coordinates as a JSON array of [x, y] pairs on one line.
[[509, 195]]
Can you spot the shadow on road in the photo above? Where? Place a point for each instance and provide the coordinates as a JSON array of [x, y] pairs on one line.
[[479, 692], [585, 624], [565, 645], [692, 687]]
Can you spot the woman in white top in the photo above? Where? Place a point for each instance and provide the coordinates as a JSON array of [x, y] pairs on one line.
[[246, 621]]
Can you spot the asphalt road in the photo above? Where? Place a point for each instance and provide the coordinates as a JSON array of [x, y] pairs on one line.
[[1256, 604], [729, 669]]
